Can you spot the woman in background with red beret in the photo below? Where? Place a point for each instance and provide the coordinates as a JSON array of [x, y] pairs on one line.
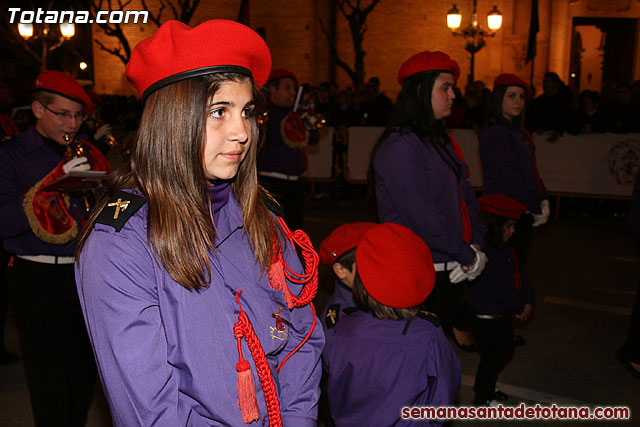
[[191, 289], [508, 158], [421, 182]]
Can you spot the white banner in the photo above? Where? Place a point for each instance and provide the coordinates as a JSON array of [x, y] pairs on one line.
[[599, 164], [320, 156]]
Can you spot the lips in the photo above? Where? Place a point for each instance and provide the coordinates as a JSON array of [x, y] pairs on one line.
[[232, 155]]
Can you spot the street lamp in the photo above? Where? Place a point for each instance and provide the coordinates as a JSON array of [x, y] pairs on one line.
[[49, 38], [473, 34]]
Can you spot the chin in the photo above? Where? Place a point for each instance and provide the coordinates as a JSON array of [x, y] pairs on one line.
[[223, 175]]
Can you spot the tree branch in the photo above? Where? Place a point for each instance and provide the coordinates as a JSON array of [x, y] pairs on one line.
[[156, 19], [115, 51]]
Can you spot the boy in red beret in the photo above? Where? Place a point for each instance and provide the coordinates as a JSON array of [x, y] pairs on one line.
[[338, 251], [389, 354], [40, 228], [501, 294]]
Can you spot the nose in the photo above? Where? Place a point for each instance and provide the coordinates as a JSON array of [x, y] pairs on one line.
[[75, 121], [240, 129], [452, 94]]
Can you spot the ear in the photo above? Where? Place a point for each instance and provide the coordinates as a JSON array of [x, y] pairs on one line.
[[339, 270], [37, 109]]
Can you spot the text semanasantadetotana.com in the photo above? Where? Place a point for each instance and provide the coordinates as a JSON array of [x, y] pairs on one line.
[[522, 412]]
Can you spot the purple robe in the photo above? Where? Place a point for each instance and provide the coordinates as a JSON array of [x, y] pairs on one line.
[[167, 356], [417, 189], [374, 370], [508, 166], [494, 291]]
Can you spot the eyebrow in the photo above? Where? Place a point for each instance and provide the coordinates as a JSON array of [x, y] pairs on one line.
[[231, 104]]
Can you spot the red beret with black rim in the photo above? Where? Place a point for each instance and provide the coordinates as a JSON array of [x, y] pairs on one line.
[[341, 240], [507, 79], [428, 61], [280, 73], [63, 84], [177, 52]]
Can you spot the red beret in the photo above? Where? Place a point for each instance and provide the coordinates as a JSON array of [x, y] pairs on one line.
[[64, 85], [507, 79], [280, 73], [428, 61], [395, 266], [178, 52], [502, 205], [341, 240]]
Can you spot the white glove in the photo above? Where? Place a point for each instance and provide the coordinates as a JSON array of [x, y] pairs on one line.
[[457, 275], [102, 131], [478, 266], [78, 164], [544, 215]]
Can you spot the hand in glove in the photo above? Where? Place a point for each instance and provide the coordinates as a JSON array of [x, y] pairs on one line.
[[457, 275], [478, 265], [78, 164], [544, 215], [102, 131]]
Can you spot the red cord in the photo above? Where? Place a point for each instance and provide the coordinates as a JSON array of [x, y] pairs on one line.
[[311, 261], [313, 326], [243, 328]]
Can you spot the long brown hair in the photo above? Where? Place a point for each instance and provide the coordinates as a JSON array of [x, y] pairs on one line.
[[167, 167]]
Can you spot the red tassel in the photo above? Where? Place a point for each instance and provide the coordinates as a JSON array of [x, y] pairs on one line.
[[277, 281], [247, 401]]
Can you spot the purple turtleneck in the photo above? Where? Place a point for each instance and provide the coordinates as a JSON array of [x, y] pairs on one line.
[[220, 196]]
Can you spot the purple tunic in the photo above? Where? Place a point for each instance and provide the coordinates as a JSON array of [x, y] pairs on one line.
[[494, 291], [507, 161], [167, 356], [374, 370], [417, 189], [24, 161]]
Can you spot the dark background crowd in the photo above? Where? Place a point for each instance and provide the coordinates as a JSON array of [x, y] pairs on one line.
[[556, 111]]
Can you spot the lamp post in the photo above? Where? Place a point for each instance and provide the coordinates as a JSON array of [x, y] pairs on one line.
[[474, 34], [49, 38]]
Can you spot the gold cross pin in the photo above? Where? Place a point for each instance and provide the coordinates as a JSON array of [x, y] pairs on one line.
[[332, 314], [119, 204]]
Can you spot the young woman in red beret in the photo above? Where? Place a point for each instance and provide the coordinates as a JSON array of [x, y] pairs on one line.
[[421, 182], [508, 157], [191, 289]]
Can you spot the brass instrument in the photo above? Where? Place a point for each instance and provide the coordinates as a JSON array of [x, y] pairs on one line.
[[313, 120], [74, 148]]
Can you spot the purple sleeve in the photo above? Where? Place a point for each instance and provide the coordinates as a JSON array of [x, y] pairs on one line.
[[117, 288], [443, 363], [299, 378], [401, 164]]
